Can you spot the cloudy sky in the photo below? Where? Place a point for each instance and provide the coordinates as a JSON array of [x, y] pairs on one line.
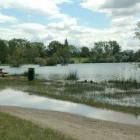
[[83, 22]]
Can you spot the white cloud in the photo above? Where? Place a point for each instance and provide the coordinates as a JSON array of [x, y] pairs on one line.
[[6, 18], [32, 28], [76, 34], [113, 8], [122, 15], [122, 25], [46, 7]]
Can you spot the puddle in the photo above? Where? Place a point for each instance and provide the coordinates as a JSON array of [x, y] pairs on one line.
[[12, 97]]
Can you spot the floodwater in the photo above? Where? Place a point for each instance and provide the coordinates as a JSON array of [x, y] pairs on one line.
[[95, 71], [10, 97]]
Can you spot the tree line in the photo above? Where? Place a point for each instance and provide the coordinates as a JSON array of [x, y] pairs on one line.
[[20, 51]]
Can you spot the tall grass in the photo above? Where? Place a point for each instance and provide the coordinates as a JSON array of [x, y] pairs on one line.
[[72, 76]]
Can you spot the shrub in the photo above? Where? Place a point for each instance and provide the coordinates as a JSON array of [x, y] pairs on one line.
[[40, 61], [51, 61]]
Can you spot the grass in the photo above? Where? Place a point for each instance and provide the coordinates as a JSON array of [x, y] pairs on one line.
[[79, 92], [72, 76], [125, 84], [80, 59], [12, 128]]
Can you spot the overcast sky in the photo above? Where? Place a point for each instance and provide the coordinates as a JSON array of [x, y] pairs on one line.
[[83, 22]]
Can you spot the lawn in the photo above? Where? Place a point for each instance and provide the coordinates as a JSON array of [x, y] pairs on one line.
[[12, 128]]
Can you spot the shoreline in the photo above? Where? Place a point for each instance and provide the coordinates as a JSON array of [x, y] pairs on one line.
[[76, 126]]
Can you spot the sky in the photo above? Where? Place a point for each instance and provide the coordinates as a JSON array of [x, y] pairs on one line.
[[82, 22]]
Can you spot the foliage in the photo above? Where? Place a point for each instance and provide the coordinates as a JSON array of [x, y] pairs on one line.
[[59, 51], [85, 52], [72, 76], [41, 61], [20, 51], [3, 51], [52, 61], [104, 51]]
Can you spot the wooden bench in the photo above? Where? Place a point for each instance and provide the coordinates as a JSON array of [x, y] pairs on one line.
[[2, 74]]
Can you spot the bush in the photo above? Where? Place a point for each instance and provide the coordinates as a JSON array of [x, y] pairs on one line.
[[15, 64], [40, 61], [51, 61]]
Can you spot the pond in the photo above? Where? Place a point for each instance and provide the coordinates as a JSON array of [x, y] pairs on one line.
[[96, 72], [10, 97]]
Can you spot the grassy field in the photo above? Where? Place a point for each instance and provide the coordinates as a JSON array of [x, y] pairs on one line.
[[80, 59], [12, 128], [80, 92]]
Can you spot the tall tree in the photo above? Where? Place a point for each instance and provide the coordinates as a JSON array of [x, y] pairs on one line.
[[85, 52], [66, 42], [3, 51]]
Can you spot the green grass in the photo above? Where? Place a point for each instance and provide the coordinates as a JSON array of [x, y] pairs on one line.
[[12, 128], [80, 59], [72, 76], [71, 91], [125, 84]]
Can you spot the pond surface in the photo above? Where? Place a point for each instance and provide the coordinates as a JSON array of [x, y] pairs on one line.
[[10, 97], [96, 72]]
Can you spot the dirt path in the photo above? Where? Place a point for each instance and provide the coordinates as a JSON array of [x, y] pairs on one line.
[[76, 126]]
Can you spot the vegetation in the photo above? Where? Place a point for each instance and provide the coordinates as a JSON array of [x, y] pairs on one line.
[[12, 128], [20, 51], [90, 93], [72, 76]]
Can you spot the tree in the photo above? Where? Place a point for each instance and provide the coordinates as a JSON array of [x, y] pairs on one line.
[[53, 47], [105, 51], [66, 42], [60, 51], [74, 51], [115, 47], [97, 51], [3, 51], [85, 52]]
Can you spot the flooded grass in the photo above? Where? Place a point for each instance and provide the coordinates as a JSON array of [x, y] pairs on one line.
[[12, 128], [72, 76], [103, 95], [125, 84], [81, 88]]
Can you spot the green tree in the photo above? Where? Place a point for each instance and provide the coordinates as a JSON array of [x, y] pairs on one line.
[[115, 47], [53, 47], [60, 51], [85, 52], [3, 51], [66, 42]]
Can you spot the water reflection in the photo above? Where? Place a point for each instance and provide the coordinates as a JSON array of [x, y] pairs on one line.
[[17, 98]]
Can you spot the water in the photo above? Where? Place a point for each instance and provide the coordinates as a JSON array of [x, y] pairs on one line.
[[11, 97], [95, 72]]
